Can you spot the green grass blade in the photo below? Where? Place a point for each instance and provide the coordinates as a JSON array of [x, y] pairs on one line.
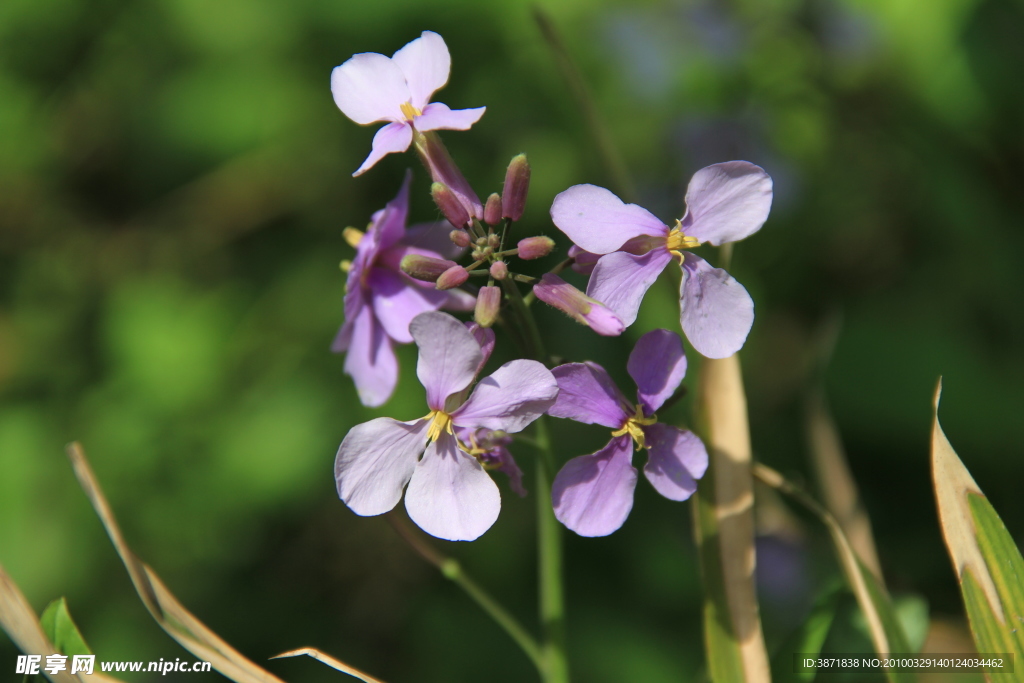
[[61, 629]]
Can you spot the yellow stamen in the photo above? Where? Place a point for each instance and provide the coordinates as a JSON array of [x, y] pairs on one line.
[[352, 236], [410, 112], [634, 426], [677, 241], [440, 422], [345, 265]]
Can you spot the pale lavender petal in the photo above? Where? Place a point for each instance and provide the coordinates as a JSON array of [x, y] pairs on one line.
[[587, 394], [394, 137], [449, 356], [369, 87], [583, 261], [727, 202], [389, 224], [620, 280], [370, 360], [450, 495], [600, 222], [604, 320], [342, 339], [657, 364], [396, 302], [375, 461], [714, 309], [426, 64], [510, 468], [593, 494], [512, 397], [459, 300], [439, 116], [676, 459], [433, 237], [485, 337]]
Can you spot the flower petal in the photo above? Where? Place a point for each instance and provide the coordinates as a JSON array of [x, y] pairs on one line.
[[727, 202], [676, 459], [369, 87], [438, 116], [396, 302], [583, 261], [450, 495], [389, 224], [375, 461], [370, 360], [600, 222], [394, 137], [433, 237], [426, 64], [593, 494], [587, 394], [585, 310], [449, 356], [485, 337], [512, 397], [657, 364], [511, 469], [620, 280], [714, 309]]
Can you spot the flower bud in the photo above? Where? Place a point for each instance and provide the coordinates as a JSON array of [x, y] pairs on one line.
[[460, 238], [517, 182], [556, 292], [424, 268], [488, 301], [583, 261], [535, 247], [492, 209], [453, 277], [499, 271], [450, 206], [493, 241]]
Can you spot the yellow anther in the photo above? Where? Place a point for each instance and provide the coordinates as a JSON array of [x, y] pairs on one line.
[[440, 422], [345, 265], [677, 240], [409, 112], [352, 236], [634, 426]]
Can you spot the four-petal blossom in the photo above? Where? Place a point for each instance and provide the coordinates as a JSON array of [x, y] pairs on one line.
[[593, 494], [371, 87], [381, 300], [449, 495], [724, 203]]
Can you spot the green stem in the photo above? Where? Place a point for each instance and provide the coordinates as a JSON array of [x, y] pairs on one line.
[[549, 564], [532, 334], [452, 570]]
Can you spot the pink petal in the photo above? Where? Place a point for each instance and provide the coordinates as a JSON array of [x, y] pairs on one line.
[[396, 302], [676, 459], [449, 356], [450, 495], [369, 87], [375, 462], [600, 222], [657, 364], [621, 279], [727, 202], [370, 360], [593, 494], [714, 309], [587, 394], [426, 64], [512, 397], [394, 137], [438, 116]]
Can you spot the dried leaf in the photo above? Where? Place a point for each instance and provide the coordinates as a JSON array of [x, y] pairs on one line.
[[329, 661]]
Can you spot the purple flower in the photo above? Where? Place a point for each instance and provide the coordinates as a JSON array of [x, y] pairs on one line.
[[593, 494], [450, 494], [381, 300], [724, 203], [370, 87]]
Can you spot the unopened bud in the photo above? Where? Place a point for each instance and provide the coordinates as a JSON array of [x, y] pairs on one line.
[[452, 208], [535, 247], [493, 241], [424, 268], [556, 292], [499, 271], [488, 301], [583, 261], [460, 238], [517, 182], [453, 277], [492, 209]]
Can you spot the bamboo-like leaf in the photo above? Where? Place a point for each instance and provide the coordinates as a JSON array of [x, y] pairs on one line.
[[19, 622], [329, 661], [61, 629], [725, 530], [985, 558], [808, 638]]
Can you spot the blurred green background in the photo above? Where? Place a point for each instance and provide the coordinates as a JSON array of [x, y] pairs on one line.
[[174, 178]]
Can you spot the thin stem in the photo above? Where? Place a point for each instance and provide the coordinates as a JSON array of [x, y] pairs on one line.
[[451, 569], [549, 564], [532, 334]]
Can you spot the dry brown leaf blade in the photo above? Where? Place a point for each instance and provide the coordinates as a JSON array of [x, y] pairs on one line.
[[329, 661]]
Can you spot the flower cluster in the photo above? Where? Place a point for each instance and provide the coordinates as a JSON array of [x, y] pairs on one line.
[[400, 279]]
